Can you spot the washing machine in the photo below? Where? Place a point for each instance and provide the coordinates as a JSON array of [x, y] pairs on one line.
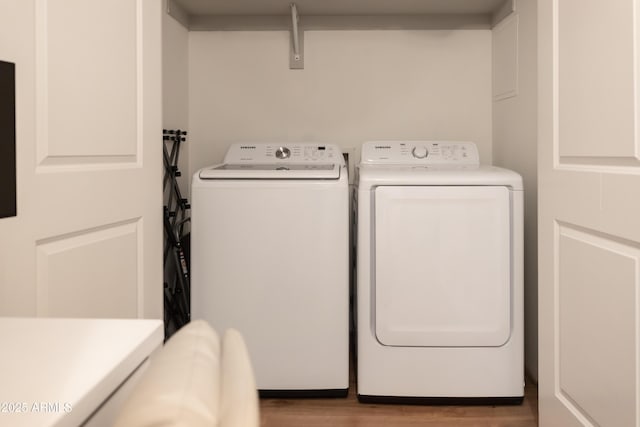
[[439, 275], [270, 257]]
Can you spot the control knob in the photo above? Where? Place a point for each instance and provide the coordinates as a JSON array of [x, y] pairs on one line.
[[283, 153], [420, 152]]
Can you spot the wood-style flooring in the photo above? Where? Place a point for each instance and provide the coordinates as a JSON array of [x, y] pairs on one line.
[[348, 412]]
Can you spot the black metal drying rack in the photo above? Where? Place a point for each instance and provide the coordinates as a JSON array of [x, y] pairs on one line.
[[177, 288]]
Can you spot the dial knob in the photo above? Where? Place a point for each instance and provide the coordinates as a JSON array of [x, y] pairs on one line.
[[283, 153], [420, 152]]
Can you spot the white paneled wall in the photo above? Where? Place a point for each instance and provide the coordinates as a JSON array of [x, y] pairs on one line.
[[515, 141], [356, 86], [589, 206], [86, 241]]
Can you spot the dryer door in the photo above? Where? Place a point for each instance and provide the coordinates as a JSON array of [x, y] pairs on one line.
[[442, 266]]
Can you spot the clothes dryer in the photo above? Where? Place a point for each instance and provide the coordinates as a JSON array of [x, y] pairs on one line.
[[270, 257], [439, 275]]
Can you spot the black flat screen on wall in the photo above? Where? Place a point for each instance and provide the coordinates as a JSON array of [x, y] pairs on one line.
[[7, 139]]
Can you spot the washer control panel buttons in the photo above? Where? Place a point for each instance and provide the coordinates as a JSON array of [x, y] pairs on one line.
[[430, 153], [420, 152], [283, 153]]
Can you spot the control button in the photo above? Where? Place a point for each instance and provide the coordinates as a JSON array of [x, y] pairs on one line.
[[283, 153], [420, 152]]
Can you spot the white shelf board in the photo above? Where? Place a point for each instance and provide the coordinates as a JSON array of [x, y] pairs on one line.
[[338, 14], [339, 7]]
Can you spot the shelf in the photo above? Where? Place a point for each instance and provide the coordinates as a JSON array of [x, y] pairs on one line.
[[208, 15], [299, 16]]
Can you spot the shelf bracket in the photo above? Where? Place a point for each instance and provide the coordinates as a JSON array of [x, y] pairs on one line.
[[296, 54]]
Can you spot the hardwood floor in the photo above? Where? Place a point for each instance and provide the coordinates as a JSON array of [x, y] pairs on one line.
[[347, 412]]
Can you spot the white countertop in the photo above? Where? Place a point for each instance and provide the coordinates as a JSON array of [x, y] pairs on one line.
[[57, 372]]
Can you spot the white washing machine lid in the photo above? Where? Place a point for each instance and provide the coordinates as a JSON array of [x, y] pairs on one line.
[[271, 171]]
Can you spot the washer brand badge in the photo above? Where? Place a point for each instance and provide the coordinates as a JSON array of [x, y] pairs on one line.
[[247, 147], [383, 147]]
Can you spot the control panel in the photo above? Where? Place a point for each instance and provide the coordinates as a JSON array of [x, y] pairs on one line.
[[283, 153], [420, 152]]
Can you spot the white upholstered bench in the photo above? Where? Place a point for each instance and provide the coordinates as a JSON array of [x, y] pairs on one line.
[[195, 380]]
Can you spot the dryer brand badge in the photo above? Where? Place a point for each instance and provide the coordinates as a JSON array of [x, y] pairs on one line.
[[382, 147], [247, 147]]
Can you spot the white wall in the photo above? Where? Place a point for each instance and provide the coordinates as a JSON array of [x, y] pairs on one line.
[[515, 143], [175, 87], [356, 86]]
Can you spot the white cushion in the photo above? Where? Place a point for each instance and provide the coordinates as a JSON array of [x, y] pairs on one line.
[[239, 396], [181, 386]]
